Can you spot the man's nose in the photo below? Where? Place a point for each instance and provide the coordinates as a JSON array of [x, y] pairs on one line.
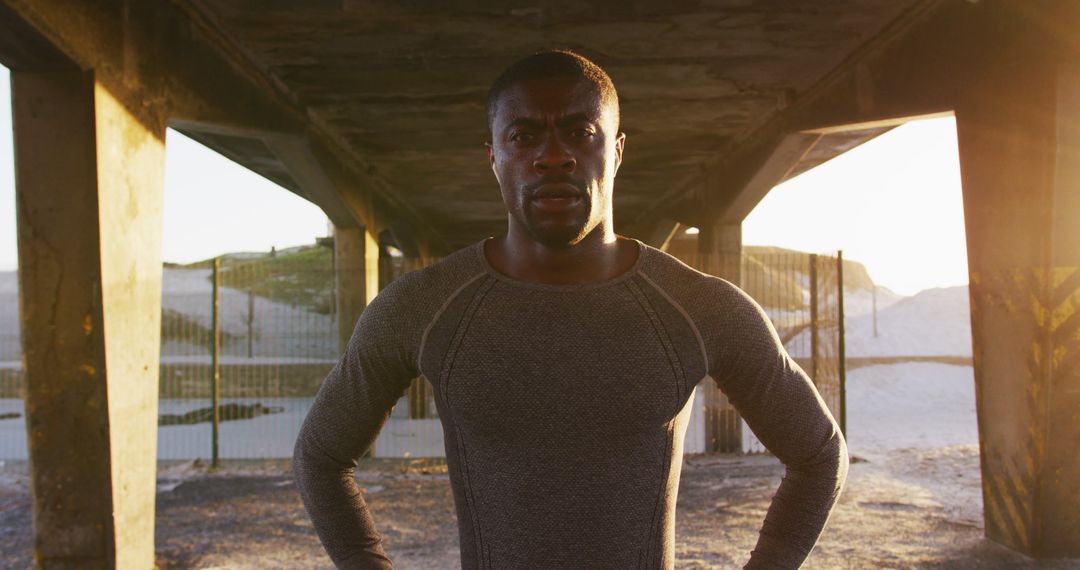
[[554, 156]]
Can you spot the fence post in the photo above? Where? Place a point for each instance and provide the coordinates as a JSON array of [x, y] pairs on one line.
[[842, 352], [251, 323], [418, 399], [215, 372], [813, 318], [873, 295]]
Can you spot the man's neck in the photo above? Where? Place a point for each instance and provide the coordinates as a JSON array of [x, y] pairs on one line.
[[593, 259]]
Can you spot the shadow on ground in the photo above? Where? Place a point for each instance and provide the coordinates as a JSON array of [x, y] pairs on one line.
[[897, 512]]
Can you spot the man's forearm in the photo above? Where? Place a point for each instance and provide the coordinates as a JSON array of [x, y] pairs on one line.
[[337, 509], [801, 507]]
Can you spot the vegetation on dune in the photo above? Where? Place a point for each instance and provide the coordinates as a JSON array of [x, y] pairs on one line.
[[301, 277], [182, 328]]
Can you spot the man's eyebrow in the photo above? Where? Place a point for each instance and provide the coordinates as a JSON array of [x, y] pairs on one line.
[[574, 118], [531, 123], [527, 122]]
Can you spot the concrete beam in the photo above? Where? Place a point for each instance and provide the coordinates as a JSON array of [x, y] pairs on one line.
[[884, 123], [733, 183], [1018, 130], [22, 47], [923, 64], [298, 157], [406, 240], [662, 233], [912, 69], [89, 179], [169, 61], [154, 59], [917, 67], [788, 151], [920, 66], [374, 203]]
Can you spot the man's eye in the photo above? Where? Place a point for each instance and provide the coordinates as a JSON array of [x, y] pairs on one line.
[[582, 133], [522, 137]]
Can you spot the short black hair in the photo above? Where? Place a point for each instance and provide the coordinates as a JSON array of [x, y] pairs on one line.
[[549, 64]]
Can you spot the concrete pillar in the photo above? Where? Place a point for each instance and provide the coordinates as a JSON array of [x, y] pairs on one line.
[[88, 198], [1019, 138], [720, 251], [720, 254], [356, 264]]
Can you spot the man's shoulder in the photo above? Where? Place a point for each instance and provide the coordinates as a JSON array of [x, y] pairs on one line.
[[676, 276], [432, 284], [405, 306], [712, 302]]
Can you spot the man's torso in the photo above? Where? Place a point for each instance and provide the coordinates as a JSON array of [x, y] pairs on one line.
[[564, 409]]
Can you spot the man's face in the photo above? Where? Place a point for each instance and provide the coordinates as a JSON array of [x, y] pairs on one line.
[[554, 151]]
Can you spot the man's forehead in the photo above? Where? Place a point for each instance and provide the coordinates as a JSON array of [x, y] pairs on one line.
[[554, 96]]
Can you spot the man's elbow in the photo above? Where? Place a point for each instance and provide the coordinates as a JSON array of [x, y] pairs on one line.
[[829, 463], [833, 461], [841, 461], [311, 460], [298, 459]]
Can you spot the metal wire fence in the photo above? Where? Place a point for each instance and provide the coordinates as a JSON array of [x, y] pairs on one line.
[[802, 296], [246, 341], [278, 335], [12, 415], [245, 344]]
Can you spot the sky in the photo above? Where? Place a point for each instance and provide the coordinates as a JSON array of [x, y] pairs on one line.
[[893, 203], [215, 206], [212, 205]]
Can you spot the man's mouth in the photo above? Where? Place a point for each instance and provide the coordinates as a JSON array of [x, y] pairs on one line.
[[556, 197]]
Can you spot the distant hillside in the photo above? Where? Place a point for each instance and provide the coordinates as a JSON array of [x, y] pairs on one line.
[[299, 276], [856, 277], [779, 279], [282, 304]]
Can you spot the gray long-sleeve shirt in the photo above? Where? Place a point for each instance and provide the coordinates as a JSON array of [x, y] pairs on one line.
[[564, 409]]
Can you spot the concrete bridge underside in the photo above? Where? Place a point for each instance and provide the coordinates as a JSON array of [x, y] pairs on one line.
[[374, 111]]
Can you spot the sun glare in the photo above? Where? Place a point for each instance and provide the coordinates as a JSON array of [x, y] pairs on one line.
[[8, 256], [215, 206], [893, 204]]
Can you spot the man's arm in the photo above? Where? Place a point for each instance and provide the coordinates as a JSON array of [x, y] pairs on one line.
[[779, 402], [351, 407]]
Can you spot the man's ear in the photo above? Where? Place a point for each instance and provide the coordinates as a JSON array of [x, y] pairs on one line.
[[620, 142], [491, 155]]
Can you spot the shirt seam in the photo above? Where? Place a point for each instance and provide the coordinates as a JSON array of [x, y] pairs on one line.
[[435, 318], [444, 380], [665, 340], [686, 317]]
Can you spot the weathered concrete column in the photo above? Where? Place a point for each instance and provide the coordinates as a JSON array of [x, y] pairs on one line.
[[720, 254], [720, 251], [1019, 138], [356, 264], [88, 195]]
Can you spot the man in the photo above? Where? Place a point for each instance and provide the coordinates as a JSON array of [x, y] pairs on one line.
[[562, 358]]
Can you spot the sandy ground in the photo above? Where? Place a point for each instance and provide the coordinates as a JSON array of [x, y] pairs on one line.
[[904, 513], [913, 498]]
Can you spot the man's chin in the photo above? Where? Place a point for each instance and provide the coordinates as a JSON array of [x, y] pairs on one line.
[[557, 237]]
